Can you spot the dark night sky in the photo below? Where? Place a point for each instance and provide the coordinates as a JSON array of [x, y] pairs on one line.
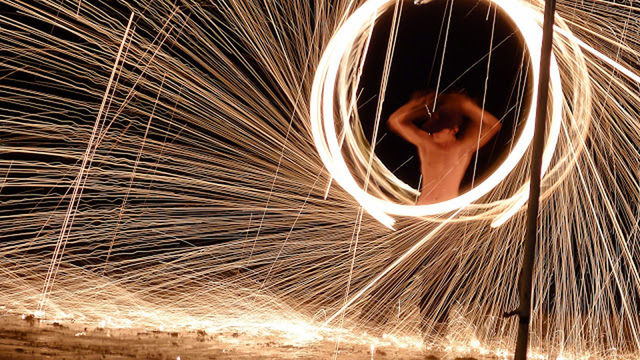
[[416, 65]]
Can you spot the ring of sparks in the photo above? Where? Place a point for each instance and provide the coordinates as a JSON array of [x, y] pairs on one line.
[[329, 89]]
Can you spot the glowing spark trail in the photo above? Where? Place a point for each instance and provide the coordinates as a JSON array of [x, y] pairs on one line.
[[389, 268], [191, 145], [79, 184]]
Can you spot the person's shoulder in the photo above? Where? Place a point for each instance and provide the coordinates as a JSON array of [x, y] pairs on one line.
[[457, 146], [426, 142]]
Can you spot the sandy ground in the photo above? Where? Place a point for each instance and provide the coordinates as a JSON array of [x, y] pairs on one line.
[[30, 338]]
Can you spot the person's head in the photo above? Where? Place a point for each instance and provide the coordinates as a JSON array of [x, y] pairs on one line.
[[445, 122]]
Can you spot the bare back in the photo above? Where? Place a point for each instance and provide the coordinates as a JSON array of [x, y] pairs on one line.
[[442, 170]]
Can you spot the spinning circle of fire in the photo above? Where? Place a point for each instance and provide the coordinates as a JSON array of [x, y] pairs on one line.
[[334, 79]]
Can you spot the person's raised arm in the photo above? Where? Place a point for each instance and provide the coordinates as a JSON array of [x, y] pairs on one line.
[[402, 121], [482, 127]]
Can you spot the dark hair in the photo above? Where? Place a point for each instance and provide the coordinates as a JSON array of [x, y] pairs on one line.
[[445, 118]]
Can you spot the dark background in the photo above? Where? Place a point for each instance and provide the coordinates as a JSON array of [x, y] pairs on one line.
[[415, 66]]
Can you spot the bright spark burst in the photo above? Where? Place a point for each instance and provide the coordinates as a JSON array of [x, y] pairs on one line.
[[158, 168]]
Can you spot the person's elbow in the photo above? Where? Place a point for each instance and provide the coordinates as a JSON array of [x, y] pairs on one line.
[[492, 122], [395, 123], [493, 130]]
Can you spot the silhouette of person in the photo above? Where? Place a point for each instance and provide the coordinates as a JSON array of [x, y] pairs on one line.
[[446, 138]]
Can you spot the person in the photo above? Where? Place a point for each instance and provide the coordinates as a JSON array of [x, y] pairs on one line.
[[446, 138]]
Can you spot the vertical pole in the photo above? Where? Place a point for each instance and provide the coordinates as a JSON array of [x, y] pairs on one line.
[[526, 273]]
